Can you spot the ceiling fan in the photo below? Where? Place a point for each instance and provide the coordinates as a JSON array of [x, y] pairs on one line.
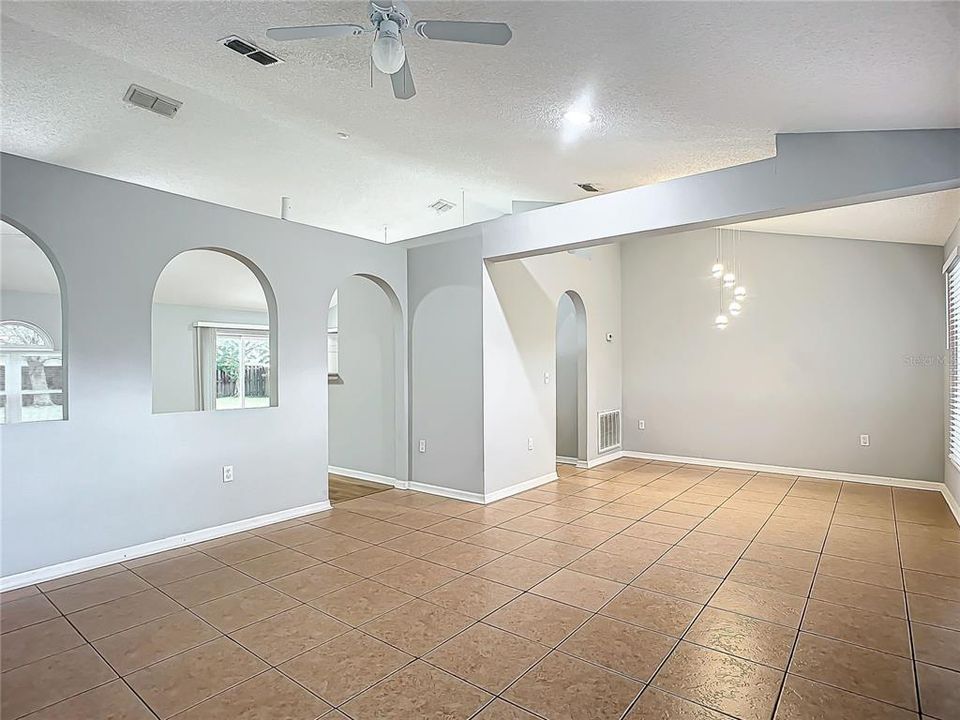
[[388, 20]]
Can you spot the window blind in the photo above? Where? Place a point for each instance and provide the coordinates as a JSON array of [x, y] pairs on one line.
[[953, 371]]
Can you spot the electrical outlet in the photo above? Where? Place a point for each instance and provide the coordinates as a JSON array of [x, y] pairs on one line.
[[529, 443], [228, 473], [641, 425], [864, 441], [423, 446]]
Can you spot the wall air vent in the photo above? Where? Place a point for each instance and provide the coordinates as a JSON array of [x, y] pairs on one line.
[[608, 430], [588, 187], [441, 206], [250, 51], [153, 101]]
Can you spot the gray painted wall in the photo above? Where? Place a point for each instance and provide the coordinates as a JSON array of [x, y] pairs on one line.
[[173, 348], [77, 488], [446, 361], [520, 300], [363, 406], [566, 378], [822, 353]]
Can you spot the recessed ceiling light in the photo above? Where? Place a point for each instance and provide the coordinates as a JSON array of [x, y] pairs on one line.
[[580, 118], [343, 136]]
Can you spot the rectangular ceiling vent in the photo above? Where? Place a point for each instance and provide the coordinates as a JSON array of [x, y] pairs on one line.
[[589, 187], [441, 206], [153, 101], [250, 51]]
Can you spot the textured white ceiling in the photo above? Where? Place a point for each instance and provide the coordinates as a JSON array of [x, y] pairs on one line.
[[922, 219], [677, 88]]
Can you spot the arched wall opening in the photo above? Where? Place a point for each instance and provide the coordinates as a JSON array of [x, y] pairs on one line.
[[366, 388], [33, 373], [571, 379], [213, 334]]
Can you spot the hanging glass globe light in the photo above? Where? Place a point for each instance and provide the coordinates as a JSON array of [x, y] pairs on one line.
[[729, 280], [735, 308], [721, 322], [717, 270], [739, 293]]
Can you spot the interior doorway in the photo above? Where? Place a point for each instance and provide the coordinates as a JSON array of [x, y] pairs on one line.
[[365, 388], [571, 380]]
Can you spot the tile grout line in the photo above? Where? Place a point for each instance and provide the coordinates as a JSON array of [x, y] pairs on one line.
[[806, 602], [706, 604], [906, 607], [105, 662], [425, 529], [739, 557]]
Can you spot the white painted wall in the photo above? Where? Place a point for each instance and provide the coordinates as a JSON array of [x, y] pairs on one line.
[[363, 420], [519, 345], [173, 349], [823, 352], [116, 474]]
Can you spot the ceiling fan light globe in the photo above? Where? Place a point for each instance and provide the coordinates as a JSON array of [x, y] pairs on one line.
[[388, 53]]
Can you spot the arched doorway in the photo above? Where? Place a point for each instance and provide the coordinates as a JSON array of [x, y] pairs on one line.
[[366, 416], [571, 379]]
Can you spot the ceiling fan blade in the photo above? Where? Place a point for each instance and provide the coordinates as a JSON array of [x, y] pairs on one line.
[[402, 81], [310, 32], [484, 33]]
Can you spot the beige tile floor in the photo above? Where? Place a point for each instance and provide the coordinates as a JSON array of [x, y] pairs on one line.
[[634, 590]]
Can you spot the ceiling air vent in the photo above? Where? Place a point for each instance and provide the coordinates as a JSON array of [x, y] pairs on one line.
[[441, 206], [153, 101], [250, 51], [588, 187]]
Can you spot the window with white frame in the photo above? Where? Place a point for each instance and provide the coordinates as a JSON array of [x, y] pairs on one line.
[[333, 338], [952, 276], [31, 374], [233, 366]]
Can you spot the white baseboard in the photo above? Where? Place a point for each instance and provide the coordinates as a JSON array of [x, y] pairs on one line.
[[446, 492], [607, 457], [782, 470], [561, 460], [362, 475], [71, 567], [519, 487], [481, 498], [951, 502], [807, 472]]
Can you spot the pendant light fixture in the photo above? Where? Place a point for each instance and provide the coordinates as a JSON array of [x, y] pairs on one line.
[[740, 291], [717, 269], [721, 321], [729, 277], [734, 307]]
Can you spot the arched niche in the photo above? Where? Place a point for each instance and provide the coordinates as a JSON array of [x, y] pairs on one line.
[[571, 378], [213, 334], [367, 382], [33, 372]]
